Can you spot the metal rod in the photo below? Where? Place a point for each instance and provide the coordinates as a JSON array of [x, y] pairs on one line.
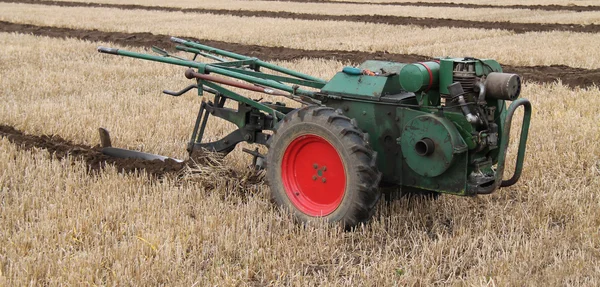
[[198, 52], [522, 144], [208, 68], [239, 98], [242, 57], [185, 63], [190, 74], [179, 93], [196, 126], [202, 125], [504, 146]]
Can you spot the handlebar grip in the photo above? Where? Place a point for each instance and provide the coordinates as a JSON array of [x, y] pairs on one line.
[[108, 50]]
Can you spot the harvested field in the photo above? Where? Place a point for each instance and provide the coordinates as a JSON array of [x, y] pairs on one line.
[[529, 4], [501, 45], [380, 14], [71, 216], [574, 77], [92, 156]]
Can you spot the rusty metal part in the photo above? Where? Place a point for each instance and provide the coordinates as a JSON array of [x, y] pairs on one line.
[[104, 137], [190, 74]]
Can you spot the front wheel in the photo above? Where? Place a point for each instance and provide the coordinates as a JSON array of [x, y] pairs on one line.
[[319, 164]]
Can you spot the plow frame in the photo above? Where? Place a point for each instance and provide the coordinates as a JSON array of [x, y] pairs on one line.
[[251, 117]]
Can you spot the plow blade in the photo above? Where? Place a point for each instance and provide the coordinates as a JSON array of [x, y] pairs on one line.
[[107, 149]]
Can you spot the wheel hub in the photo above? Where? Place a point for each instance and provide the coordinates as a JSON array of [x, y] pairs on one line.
[[313, 175]]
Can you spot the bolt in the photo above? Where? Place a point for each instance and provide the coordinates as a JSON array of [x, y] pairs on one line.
[[364, 113], [297, 193], [314, 177], [247, 137], [315, 166], [324, 168], [324, 180]]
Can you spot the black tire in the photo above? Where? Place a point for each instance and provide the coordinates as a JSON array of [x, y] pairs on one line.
[[359, 195]]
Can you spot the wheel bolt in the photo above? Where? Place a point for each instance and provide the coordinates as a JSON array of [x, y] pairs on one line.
[[314, 177], [315, 166], [324, 168], [324, 180]]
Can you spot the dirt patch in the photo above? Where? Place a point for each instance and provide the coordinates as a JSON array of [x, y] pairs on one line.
[[377, 19], [573, 77], [93, 156], [463, 5], [206, 169]]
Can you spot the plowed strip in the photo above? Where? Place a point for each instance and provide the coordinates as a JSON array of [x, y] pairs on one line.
[[93, 156], [544, 74], [328, 8], [551, 7], [378, 19]]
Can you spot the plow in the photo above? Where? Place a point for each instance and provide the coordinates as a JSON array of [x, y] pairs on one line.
[[436, 127]]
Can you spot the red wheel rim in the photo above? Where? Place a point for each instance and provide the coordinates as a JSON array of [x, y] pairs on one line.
[[313, 175]]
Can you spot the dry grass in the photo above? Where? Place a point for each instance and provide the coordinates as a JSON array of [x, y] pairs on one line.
[[495, 2], [62, 226], [499, 14], [121, 94], [571, 49]]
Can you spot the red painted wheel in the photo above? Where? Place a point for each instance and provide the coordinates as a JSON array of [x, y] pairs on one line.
[[313, 175], [319, 164]]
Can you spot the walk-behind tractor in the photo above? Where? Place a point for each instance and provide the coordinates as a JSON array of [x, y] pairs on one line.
[[433, 127]]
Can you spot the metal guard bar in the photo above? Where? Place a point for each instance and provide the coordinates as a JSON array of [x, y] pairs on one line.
[[504, 146], [506, 138]]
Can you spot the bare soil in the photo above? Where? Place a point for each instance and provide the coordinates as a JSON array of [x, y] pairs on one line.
[[462, 5], [573, 77], [93, 156], [378, 19]]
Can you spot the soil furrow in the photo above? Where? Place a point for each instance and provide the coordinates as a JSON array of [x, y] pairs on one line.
[[378, 19], [573, 77], [552, 7], [93, 156]]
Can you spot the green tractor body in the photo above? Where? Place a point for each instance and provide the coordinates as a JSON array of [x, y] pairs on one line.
[[433, 127], [426, 140]]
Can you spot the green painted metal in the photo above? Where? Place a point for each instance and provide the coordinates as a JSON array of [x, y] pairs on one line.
[[198, 52], [426, 138], [522, 142], [208, 68], [351, 84], [444, 136], [443, 170], [282, 79], [465, 129], [420, 76], [355, 85], [381, 67], [242, 57], [447, 66]]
